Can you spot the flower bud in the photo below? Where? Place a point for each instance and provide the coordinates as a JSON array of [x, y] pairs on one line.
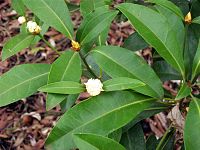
[[188, 18], [21, 20], [75, 45], [33, 27], [94, 87]]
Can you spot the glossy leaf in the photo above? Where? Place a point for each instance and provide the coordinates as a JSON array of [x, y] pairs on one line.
[[102, 38], [169, 5], [94, 116], [133, 139], [167, 141], [116, 135], [95, 142], [196, 20], [165, 71], [63, 87], [155, 30], [55, 14], [90, 60], [19, 7], [87, 6], [22, 81], [175, 23], [127, 64], [16, 44], [191, 47], [68, 102], [66, 68], [184, 91], [94, 25], [121, 83], [196, 63], [135, 42], [152, 142], [183, 5], [192, 126], [154, 109], [72, 7]]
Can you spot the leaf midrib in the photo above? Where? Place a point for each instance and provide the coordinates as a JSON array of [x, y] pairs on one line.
[[23, 83], [180, 68], [118, 84], [69, 63], [69, 87], [57, 18]]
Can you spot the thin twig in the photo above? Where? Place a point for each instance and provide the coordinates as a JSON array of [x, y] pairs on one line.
[[48, 44]]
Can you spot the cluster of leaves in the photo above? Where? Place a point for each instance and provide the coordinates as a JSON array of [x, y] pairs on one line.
[[132, 88]]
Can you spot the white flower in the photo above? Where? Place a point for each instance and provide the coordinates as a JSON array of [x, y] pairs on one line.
[[33, 27], [94, 87], [21, 19]]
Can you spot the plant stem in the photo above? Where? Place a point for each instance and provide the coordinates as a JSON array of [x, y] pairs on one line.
[[163, 140], [87, 66], [185, 48], [48, 44]]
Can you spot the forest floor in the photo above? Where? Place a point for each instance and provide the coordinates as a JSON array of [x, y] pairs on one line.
[[24, 125]]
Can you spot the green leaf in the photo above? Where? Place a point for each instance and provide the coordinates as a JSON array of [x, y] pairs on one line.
[[18, 5], [95, 68], [165, 71], [55, 14], [22, 81], [94, 24], [155, 30], [68, 102], [154, 109], [125, 63], [133, 139], [135, 42], [16, 44], [87, 6], [184, 91], [63, 87], [121, 83], [192, 126], [116, 135], [167, 141], [169, 5], [196, 63], [195, 4], [72, 7], [183, 5], [191, 46], [95, 142], [94, 116], [196, 20], [175, 23], [66, 68], [102, 38], [151, 142]]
